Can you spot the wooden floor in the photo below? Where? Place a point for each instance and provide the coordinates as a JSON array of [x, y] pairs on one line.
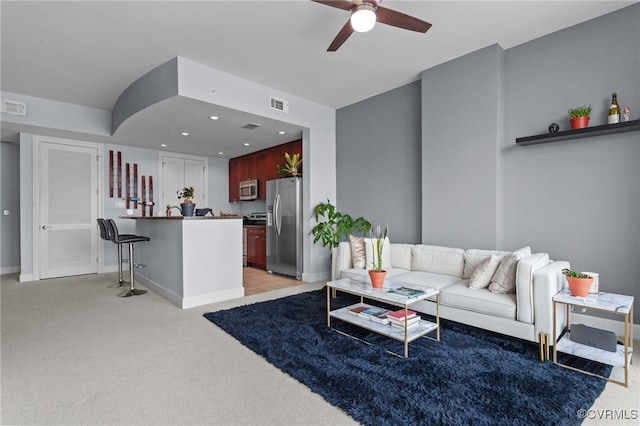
[[258, 281]]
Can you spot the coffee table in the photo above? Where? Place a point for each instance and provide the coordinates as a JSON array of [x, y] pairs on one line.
[[366, 291]]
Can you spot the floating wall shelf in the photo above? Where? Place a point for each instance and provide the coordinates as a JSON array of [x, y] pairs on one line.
[[605, 129]]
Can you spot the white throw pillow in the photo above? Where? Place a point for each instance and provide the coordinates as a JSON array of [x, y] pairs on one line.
[[473, 257], [371, 256], [357, 252], [504, 280], [481, 276]]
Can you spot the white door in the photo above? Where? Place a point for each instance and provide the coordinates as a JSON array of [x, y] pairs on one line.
[[178, 171], [68, 208]]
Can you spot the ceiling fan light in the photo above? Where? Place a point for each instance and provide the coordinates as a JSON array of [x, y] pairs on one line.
[[363, 18]]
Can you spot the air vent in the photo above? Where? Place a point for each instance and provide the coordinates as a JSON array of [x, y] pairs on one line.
[[279, 104], [250, 126], [13, 107]]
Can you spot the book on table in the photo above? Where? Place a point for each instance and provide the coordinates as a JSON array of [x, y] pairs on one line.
[[376, 314], [400, 323], [399, 315], [406, 291], [358, 309], [410, 325]]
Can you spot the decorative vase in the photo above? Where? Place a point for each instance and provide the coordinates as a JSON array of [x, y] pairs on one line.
[[579, 286], [377, 278], [187, 209], [579, 123]]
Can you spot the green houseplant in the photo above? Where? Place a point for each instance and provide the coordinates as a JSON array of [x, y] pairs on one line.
[[188, 207], [579, 116], [291, 165], [334, 226], [377, 274], [579, 283]]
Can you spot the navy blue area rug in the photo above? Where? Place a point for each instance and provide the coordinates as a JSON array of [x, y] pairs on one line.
[[470, 377]]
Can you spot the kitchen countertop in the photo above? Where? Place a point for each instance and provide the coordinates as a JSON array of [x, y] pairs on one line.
[[180, 217]]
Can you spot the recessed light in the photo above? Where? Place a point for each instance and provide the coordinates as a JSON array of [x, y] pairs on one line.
[[281, 132], [246, 144], [220, 153], [214, 117], [163, 145], [184, 133]]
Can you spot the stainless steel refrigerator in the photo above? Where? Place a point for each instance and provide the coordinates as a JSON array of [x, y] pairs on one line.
[[284, 226]]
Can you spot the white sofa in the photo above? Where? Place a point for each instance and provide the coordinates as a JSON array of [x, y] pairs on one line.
[[524, 313]]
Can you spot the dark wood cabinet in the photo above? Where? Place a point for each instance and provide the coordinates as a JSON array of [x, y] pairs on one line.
[[260, 165], [257, 247]]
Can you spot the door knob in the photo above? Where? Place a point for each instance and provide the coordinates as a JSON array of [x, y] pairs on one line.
[[45, 227]]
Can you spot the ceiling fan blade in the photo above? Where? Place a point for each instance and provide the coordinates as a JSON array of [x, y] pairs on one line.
[[340, 4], [400, 20], [342, 36]]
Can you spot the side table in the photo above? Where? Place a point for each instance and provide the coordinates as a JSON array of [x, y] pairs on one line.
[[607, 302]]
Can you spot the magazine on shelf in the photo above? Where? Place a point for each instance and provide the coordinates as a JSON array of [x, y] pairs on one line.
[[406, 291], [399, 314], [409, 325], [400, 322], [376, 314], [358, 309]]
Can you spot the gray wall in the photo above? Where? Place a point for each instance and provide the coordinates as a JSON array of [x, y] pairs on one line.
[[461, 132], [378, 161], [10, 200], [577, 200]]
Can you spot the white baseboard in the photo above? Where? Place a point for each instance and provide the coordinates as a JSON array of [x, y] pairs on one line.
[[312, 278], [604, 324], [193, 301], [25, 277]]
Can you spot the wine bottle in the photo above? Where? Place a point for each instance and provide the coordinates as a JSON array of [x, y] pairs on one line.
[[614, 110]]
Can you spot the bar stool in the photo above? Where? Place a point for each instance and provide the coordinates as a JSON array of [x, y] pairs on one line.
[[130, 240], [104, 234]]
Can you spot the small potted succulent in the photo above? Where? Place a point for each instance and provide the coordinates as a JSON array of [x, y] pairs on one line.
[[579, 283], [579, 116], [377, 274]]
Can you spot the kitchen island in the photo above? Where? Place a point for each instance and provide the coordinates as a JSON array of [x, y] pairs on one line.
[[191, 261]]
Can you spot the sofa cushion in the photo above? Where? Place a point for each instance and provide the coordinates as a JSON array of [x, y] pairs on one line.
[[371, 254], [483, 301], [401, 256], [504, 280], [481, 276], [473, 257], [441, 260], [423, 279], [358, 256]]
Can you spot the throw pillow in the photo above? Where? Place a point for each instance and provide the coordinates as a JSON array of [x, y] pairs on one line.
[[504, 280], [482, 274], [371, 256], [357, 252]]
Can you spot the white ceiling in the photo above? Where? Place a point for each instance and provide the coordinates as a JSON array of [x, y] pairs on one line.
[[89, 52]]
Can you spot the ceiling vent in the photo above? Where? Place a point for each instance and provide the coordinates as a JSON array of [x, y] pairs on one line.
[[13, 107], [279, 104], [250, 126]]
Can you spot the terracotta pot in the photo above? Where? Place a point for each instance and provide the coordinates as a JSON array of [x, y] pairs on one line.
[[579, 122], [377, 278], [579, 286]]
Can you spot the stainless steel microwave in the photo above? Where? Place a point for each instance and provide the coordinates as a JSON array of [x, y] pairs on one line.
[[249, 189]]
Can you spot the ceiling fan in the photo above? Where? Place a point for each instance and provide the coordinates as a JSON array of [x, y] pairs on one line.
[[365, 13]]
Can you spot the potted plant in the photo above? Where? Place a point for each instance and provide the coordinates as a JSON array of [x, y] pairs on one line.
[[377, 274], [333, 226], [579, 116], [291, 165], [187, 194], [579, 283]]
